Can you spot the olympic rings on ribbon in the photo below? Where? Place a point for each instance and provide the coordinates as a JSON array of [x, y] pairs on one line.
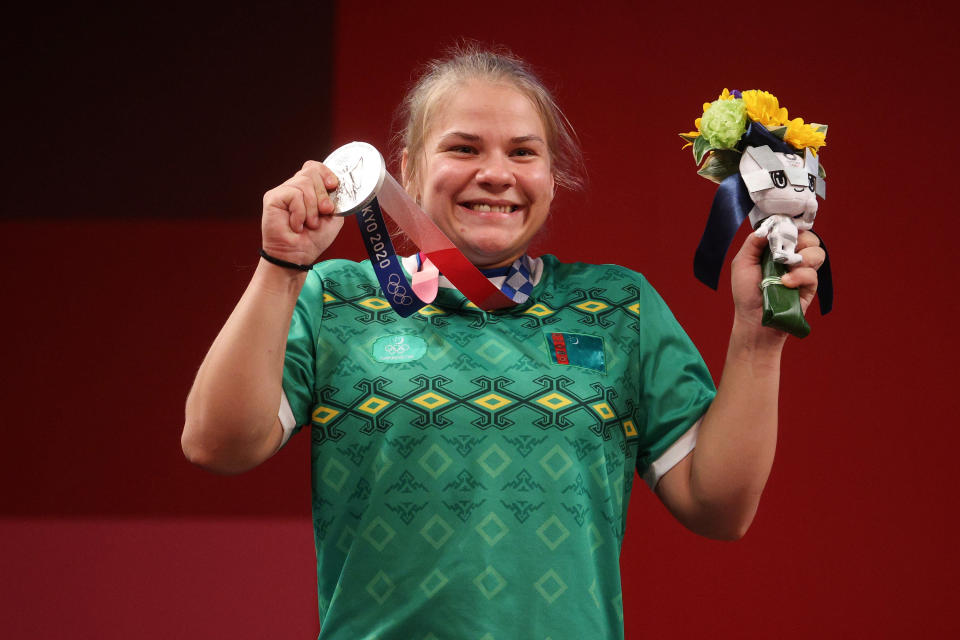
[[386, 265], [397, 290]]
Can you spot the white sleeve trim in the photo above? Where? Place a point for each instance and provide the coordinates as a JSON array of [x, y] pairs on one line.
[[674, 454], [287, 421]]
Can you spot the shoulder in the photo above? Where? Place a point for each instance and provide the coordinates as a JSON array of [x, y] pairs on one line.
[[602, 289], [605, 275]]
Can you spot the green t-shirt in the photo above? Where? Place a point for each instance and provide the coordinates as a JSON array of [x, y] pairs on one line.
[[471, 471]]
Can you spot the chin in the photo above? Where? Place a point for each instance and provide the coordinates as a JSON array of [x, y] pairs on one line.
[[490, 254]]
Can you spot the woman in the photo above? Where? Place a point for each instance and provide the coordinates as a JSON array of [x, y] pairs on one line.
[[471, 470]]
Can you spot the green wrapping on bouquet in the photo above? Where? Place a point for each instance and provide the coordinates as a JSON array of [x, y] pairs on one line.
[[781, 305]]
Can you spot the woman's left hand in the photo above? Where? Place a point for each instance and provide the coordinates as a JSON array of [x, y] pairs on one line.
[[745, 276]]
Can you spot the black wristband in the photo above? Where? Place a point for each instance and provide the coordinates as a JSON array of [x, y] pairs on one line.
[[283, 263]]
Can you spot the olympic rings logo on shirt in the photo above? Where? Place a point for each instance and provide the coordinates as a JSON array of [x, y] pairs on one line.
[[396, 349], [397, 290]]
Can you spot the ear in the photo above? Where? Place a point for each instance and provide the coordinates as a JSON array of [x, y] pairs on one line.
[[405, 175]]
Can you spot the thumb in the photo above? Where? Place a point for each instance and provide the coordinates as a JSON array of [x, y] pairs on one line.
[[752, 248]]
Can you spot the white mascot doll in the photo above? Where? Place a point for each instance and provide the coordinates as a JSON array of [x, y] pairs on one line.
[[783, 188]]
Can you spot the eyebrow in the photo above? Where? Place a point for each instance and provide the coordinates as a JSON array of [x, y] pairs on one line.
[[528, 138], [470, 137], [460, 134]]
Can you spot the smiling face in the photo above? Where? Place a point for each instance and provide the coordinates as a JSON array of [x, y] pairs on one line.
[[485, 177]]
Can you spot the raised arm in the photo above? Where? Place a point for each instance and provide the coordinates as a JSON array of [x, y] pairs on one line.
[[231, 415], [715, 490]]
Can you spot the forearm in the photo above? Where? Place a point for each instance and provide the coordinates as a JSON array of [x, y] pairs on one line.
[[231, 412], [716, 489], [738, 436]]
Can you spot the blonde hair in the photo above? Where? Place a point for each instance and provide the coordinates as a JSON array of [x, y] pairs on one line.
[[470, 61]]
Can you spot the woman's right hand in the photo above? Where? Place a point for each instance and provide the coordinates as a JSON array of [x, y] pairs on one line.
[[298, 224]]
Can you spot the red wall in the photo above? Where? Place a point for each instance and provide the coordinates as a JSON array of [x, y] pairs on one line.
[[107, 532]]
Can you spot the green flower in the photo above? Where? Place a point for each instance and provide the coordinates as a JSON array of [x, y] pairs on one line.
[[723, 123]]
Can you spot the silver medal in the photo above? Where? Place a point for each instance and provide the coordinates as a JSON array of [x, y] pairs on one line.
[[361, 170]]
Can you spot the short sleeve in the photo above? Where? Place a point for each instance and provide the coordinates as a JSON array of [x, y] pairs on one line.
[[676, 388], [299, 363]]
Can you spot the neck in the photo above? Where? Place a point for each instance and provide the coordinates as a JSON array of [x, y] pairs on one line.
[[483, 265]]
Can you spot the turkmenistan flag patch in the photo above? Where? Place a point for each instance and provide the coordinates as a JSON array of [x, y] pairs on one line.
[[577, 349]]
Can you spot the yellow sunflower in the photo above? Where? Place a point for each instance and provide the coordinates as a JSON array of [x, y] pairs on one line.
[[763, 107], [802, 135]]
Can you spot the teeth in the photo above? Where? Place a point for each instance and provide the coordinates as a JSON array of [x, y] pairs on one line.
[[486, 208]]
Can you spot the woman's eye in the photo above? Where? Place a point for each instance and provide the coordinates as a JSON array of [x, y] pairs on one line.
[[523, 152], [462, 148]]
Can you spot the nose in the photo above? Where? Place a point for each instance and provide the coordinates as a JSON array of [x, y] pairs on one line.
[[495, 173]]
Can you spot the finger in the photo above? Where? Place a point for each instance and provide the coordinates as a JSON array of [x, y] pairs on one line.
[[288, 199], [309, 180], [329, 178], [800, 277], [310, 197], [752, 249], [807, 239], [813, 257], [324, 181]]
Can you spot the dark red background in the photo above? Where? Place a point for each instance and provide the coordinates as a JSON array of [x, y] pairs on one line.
[[140, 144]]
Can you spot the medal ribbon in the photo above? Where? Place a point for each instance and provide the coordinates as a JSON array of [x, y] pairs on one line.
[[435, 246]]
